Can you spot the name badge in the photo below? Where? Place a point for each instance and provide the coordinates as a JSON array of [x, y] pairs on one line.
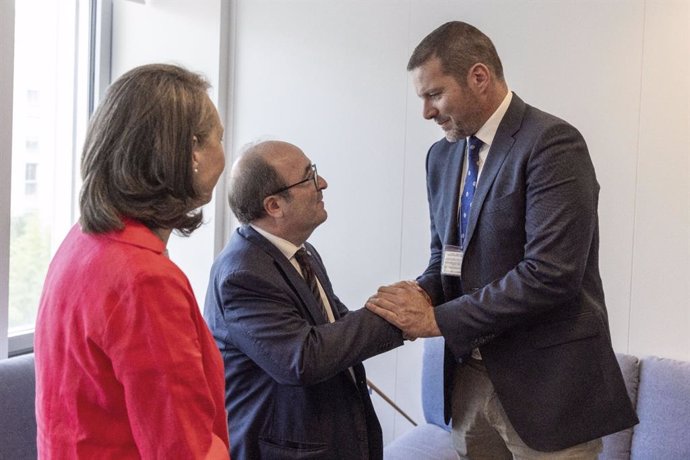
[[451, 261]]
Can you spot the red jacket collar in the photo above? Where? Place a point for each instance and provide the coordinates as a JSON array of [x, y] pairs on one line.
[[137, 234]]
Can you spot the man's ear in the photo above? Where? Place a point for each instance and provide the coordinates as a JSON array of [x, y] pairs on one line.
[[478, 76], [272, 206]]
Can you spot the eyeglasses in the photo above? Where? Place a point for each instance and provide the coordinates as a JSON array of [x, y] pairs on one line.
[[314, 176]]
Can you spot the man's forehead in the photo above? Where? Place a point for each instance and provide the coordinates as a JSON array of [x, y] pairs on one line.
[[289, 159], [429, 73]]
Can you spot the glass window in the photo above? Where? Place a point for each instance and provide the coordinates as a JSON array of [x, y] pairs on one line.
[[30, 172], [32, 145], [49, 112], [30, 179]]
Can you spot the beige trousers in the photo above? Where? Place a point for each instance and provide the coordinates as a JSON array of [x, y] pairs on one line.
[[481, 429]]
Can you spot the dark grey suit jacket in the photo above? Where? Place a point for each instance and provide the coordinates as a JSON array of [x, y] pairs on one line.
[[289, 391], [530, 297]]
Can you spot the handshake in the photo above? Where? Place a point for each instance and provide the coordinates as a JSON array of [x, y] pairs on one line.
[[407, 306]]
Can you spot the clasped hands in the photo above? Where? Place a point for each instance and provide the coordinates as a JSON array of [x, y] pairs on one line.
[[407, 306]]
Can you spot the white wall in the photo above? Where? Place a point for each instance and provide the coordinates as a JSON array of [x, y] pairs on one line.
[[179, 32], [659, 308], [330, 77]]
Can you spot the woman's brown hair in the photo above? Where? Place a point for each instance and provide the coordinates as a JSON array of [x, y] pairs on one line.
[[137, 158]]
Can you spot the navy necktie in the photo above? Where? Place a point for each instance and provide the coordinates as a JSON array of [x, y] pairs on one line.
[[474, 145], [304, 260]]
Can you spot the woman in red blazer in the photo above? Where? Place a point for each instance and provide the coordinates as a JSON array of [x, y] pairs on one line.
[[125, 366]]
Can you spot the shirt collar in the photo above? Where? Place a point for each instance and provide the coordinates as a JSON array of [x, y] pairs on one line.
[[284, 246], [487, 132]]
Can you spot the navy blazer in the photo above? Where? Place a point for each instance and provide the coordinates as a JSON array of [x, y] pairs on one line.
[[289, 391], [530, 298]]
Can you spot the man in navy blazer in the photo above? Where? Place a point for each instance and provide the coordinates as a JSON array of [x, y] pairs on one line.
[[512, 285], [295, 385]]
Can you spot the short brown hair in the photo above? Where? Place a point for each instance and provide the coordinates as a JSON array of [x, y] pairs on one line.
[[458, 46], [137, 158]]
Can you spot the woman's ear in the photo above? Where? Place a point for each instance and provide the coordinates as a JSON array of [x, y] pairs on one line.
[[196, 156]]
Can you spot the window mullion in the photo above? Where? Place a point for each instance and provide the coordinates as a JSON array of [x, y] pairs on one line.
[[6, 107]]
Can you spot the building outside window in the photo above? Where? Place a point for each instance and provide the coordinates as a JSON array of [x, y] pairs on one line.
[[30, 179], [50, 109]]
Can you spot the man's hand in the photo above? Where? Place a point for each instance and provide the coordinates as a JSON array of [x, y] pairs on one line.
[[407, 306]]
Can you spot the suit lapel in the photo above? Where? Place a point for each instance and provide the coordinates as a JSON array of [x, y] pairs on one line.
[[502, 143], [320, 272], [298, 284], [289, 273], [452, 178]]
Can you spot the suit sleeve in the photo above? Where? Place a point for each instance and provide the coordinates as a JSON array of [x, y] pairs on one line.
[[262, 320], [152, 341], [430, 280], [560, 220]]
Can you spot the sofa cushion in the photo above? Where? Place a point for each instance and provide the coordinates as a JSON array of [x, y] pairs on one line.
[[424, 442], [617, 445], [432, 381], [663, 406], [17, 408], [431, 440]]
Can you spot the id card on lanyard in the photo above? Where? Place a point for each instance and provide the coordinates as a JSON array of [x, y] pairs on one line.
[[451, 260]]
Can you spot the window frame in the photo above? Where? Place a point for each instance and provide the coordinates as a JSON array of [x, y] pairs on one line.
[[98, 66], [6, 107]]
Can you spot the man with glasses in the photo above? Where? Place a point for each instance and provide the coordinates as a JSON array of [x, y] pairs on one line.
[[295, 385]]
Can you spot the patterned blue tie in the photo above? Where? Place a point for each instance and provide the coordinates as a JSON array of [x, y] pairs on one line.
[[470, 185]]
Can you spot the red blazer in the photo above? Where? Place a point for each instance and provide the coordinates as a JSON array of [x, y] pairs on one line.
[[125, 366]]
